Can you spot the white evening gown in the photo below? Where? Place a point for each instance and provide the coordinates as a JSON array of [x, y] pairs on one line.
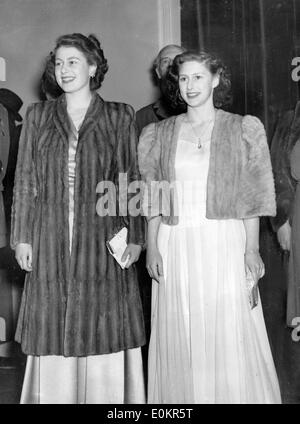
[[99, 379], [207, 345]]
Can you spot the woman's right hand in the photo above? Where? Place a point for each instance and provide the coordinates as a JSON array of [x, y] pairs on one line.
[[284, 236], [24, 256], [154, 263]]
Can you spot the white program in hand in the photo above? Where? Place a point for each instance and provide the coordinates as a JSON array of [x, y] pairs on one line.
[[252, 289], [117, 245]]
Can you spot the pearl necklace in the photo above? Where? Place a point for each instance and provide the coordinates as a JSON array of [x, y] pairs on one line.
[[200, 139]]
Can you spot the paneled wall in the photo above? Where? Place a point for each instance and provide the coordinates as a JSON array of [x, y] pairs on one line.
[[128, 30]]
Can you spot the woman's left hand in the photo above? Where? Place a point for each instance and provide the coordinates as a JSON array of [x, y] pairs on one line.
[[132, 252], [254, 263]]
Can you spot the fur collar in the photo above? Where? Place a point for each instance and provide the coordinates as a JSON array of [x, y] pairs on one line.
[[62, 121]]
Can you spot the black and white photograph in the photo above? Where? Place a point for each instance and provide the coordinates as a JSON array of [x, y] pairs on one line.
[[149, 205]]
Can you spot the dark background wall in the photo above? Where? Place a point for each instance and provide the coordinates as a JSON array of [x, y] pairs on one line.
[[257, 40], [127, 29]]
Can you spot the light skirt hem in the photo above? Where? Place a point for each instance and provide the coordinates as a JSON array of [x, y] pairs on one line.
[[99, 379]]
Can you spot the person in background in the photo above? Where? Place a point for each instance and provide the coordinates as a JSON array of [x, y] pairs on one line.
[[81, 321], [12, 102], [155, 112], [208, 338], [12, 277], [285, 155], [162, 108], [4, 150]]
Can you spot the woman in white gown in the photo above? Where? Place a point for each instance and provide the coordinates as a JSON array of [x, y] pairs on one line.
[[207, 344]]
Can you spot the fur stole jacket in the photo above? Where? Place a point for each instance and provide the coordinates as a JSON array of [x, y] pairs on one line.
[[240, 180]]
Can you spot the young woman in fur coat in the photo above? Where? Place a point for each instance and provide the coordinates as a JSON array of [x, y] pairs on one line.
[[80, 320], [207, 344]]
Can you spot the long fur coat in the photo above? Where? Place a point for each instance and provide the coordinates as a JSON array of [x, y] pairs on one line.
[[81, 303]]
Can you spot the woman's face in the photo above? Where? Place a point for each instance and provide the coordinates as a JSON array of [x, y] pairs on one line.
[[196, 83], [72, 71]]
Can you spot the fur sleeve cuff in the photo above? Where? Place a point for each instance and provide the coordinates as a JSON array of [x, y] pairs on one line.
[[257, 177]]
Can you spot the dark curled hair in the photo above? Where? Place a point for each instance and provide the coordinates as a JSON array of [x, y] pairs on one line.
[[48, 84], [221, 95], [90, 47]]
